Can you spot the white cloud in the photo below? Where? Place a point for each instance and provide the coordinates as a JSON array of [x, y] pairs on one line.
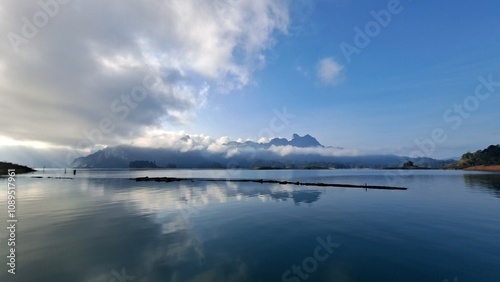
[[180, 141], [325, 152], [176, 140], [183, 142], [65, 78], [329, 71]]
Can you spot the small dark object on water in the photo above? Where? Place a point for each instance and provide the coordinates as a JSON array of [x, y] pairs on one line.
[[74, 171]]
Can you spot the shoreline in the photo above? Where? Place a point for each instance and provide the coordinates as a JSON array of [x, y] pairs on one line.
[[491, 168]]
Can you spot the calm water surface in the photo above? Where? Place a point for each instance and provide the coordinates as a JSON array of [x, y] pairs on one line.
[[100, 226]]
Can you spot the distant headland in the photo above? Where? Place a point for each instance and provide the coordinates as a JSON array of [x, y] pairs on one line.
[[5, 166], [481, 160]]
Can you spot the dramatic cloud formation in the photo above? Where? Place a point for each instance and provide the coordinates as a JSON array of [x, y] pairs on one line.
[[329, 71], [108, 72], [183, 142], [81, 75], [178, 141]]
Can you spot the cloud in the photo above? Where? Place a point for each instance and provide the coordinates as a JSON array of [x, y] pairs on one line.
[[209, 148], [175, 140], [329, 71], [88, 63], [183, 142], [325, 152]]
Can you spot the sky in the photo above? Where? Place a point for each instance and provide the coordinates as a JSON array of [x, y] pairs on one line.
[[412, 78]]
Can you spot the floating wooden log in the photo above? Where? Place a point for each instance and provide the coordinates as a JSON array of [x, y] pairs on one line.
[[60, 177], [281, 182]]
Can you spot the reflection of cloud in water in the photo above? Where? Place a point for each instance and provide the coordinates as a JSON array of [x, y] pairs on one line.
[[489, 182], [188, 199], [298, 197], [305, 197], [217, 192], [90, 245], [177, 253], [146, 228]]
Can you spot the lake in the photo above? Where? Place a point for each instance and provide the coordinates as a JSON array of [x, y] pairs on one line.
[[101, 226]]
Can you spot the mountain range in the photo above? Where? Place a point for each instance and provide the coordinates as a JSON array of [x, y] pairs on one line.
[[306, 141], [298, 152]]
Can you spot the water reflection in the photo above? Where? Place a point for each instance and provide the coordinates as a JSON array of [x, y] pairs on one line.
[[174, 214], [308, 197], [83, 229], [154, 230], [305, 197], [190, 197], [489, 182]]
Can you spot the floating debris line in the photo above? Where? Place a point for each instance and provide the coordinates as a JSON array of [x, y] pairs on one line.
[[281, 182], [53, 177]]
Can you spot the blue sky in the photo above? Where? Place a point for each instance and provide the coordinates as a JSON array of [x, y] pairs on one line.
[[225, 69], [395, 91]]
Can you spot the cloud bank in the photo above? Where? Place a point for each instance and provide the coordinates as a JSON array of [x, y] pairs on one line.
[[183, 142], [69, 67]]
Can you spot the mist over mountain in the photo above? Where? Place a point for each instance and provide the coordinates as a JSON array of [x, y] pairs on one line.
[[298, 152], [306, 141]]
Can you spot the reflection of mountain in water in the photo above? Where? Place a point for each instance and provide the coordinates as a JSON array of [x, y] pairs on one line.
[[174, 249], [278, 193], [298, 197], [489, 182], [191, 197], [305, 196]]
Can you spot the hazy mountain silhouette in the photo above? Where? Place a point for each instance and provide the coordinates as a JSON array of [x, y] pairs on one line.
[[301, 152], [306, 141]]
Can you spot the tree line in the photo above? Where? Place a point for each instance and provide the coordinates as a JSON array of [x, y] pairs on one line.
[[488, 156]]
